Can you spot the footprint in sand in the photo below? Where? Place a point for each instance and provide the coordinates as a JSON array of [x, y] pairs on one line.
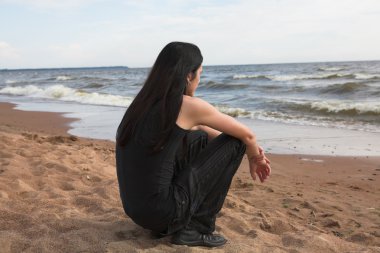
[[89, 179], [237, 224], [90, 204], [38, 170], [277, 227], [307, 205], [65, 186], [241, 184], [28, 194], [363, 238], [4, 154], [57, 167], [354, 223], [128, 235], [329, 223], [102, 192], [354, 187], [325, 215], [252, 234], [27, 153], [5, 163], [29, 136], [61, 139], [292, 241], [230, 204]]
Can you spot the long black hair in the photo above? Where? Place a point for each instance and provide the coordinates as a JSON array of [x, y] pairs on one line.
[[165, 85]]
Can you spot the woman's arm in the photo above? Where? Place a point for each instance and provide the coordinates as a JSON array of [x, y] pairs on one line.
[[202, 113]]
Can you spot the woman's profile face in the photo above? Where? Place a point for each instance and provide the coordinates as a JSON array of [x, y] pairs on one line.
[[193, 81]]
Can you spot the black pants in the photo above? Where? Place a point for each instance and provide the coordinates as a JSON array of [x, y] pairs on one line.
[[203, 175]]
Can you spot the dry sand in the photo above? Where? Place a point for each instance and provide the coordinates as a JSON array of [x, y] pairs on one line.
[[59, 193]]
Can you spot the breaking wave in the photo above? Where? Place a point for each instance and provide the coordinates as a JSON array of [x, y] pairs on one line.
[[337, 108], [233, 112], [215, 85], [350, 87], [331, 68], [281, 78], [63, 78], [63, 93]]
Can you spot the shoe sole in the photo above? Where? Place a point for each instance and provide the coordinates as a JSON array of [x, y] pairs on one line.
[[198, 243]]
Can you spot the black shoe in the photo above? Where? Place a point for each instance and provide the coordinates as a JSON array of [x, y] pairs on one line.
[[194, 238], [157, 235]]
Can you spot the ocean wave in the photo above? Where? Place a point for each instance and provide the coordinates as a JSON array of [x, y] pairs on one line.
[[63, 93], [283, 78], [95, 79], [363, 76], [214, 85], [327, 76], [347, 108], [349, 87], [233, 112], [10, 82], [337, 108], [93, 86], [318, 121], [63, 78], [272, 87], [331, 68], [81, 78], [262, 77]]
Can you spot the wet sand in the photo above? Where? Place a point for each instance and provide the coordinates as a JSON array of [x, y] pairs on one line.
[[59, 193]]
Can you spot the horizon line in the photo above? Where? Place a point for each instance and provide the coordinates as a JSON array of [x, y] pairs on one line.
[[210, 65]]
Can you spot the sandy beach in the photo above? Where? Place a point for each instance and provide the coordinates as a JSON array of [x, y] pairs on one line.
[[59, 193]]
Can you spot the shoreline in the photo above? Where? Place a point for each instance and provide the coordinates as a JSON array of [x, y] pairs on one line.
[[275, 137], [44, 122], [55, 188]]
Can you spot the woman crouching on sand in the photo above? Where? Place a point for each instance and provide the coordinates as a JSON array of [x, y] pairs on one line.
[[176, 154]]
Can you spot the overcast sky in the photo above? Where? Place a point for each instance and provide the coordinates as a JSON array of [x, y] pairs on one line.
[[79, 33]]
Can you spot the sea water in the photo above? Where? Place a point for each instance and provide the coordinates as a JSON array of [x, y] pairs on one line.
[[335, 95]]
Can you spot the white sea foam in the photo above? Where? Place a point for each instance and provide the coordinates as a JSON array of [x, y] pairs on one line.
[[249, 76], [63, 78], [10, 81], [234, 112], [331, 68], [63, 93], [339, 106], [290, 77], [366, 76], [310, 76]]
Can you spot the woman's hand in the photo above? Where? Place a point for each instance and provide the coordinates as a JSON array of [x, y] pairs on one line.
[[260, 166]]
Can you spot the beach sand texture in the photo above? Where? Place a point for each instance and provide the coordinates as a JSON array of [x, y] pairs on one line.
[[59, 193]]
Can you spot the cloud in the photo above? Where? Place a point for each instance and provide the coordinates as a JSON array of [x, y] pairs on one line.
[[244, 32], [132, 32], [8, 54], [50, 4]]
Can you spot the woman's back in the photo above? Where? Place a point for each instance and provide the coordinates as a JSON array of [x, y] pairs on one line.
[[145, 178]]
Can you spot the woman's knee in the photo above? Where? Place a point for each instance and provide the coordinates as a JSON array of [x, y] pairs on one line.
[[237, 144]]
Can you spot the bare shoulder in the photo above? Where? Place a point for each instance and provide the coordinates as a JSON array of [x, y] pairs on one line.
[[191, 110], [195, 104]]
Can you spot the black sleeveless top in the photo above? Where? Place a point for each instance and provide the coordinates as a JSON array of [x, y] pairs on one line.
[[145, 179]]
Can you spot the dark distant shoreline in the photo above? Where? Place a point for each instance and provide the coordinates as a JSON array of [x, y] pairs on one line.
[[207, 65]]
